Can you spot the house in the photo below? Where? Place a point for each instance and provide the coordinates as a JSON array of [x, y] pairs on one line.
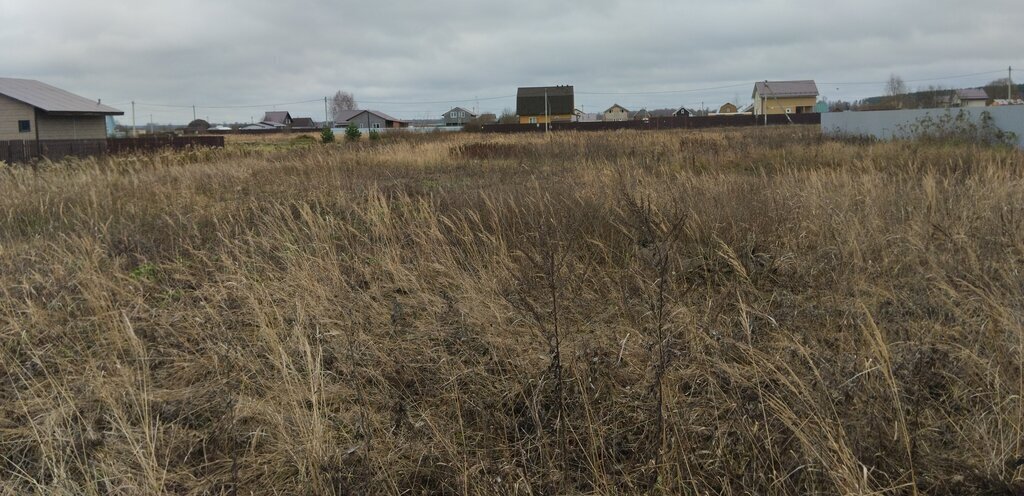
[[727, 108], [277, 118], [683, 112], [662, 112], [31, 110], [260, 127], [642, 115], [971, 97], [304, 124], [616, 113], [784, 97], [368, 119], [580, 116], [541, 104], [457, 116]]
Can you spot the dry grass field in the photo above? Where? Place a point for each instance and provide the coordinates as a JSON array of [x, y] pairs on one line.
[[757, 311]]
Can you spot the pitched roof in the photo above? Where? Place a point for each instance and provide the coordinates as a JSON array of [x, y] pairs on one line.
[[642, 114], [972, 94], [469, 113], [303, 122], [52, 99], [785, 88], [277, 117], [348, 115], [530, 100], [662, 112], [617, 106]]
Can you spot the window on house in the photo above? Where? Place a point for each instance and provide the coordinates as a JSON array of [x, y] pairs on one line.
[[533, 120], [376, 125], [24, 126]]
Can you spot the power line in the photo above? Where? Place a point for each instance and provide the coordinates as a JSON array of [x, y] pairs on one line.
[[915, 80], [227, 106], [662, 92], [438, 101]]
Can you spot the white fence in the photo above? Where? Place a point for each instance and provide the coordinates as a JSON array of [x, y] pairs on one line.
[[886, 124]]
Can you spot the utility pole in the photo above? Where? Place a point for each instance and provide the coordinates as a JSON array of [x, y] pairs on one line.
[[1009, 83], [133, 119], [547, 115], [193, 112], [151, 123], [764, 102], [327, 116]]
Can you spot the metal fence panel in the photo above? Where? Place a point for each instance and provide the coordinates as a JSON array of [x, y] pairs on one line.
[[887, 124], [656, 123]]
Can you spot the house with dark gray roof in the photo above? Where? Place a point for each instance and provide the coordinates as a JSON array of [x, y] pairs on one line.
[[457, 116], [540, 104], [784, 97], [277, 118], [304, 123], [368, 119], [31, 110]]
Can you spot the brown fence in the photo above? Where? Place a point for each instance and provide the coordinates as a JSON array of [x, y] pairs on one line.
[[660, 123], [27, 150], [151, 143]]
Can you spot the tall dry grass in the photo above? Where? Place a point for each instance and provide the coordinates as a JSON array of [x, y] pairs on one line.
[[741, 312]]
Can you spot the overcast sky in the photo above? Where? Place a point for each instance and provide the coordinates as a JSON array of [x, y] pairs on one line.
[[398, 56]]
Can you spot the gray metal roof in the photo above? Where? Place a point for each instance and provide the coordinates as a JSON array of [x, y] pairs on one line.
[[348, 115], [468, 112], [785, 88], [277, 117], [52, 99], [972, 94], [303, 122]]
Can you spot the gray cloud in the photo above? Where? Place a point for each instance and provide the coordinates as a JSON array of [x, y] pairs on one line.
[[405, 52]]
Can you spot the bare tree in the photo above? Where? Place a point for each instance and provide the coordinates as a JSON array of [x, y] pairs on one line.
[[1002, 88], [895, 88], [933, 97], [508, 117], [343, 100]]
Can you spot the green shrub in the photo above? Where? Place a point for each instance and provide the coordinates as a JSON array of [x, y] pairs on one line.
[[956, 128], [352, 132], [327, 136], [374, 135], [145, 271]]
